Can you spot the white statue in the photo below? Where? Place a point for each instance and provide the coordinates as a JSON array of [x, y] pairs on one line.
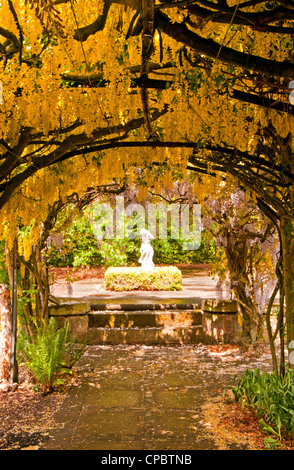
[[146, 250]]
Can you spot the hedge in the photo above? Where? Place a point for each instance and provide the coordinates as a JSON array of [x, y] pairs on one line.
[[133, 278]]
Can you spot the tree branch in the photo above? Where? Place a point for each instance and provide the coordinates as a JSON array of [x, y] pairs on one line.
[[21, 37], [82, 34], [13, 154], [258, 21], [14, 45], [68, 148], [180, 33]]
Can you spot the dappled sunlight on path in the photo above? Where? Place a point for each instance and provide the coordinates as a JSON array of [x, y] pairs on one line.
[[141, 397]]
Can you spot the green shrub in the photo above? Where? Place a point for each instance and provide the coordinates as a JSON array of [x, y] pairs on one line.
[[113, 252], [80, 248], [45, 354], [132, 278], [170, 251], [272, 398]]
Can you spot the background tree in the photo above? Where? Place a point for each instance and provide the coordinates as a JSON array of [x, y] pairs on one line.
[[247, 262], [34, 281]]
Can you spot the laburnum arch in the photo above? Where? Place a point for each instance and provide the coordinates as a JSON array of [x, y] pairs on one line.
[[92, 89]]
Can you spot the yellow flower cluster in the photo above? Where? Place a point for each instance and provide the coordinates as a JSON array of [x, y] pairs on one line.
[[198, 112]]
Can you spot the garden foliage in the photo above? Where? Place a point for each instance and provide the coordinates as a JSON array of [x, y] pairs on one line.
[[271, 396], [80, 248], [45, 354]]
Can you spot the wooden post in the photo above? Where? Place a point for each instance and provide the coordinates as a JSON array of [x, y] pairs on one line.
[[13, 377]]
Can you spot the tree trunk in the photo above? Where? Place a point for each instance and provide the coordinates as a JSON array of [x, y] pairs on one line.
[[237, 254], [5, 317], [287, 235], [252, 327]]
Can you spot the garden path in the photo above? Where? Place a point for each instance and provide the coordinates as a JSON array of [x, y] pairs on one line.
[[137, 397]]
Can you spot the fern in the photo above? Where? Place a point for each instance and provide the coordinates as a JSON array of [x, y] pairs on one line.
[[45, 356]]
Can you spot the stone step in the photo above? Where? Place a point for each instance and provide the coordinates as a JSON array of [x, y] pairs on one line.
[[148, 322], [139, 306], [148, 336], [145, 319]]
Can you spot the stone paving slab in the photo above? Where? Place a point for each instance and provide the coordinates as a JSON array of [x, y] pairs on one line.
[[145, 398], [194, 286]]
